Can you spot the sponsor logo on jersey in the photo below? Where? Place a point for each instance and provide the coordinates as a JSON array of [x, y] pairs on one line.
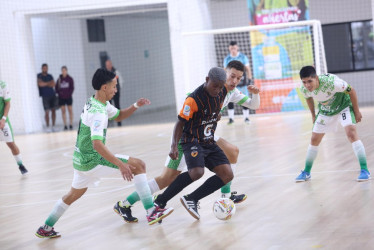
[[97, 125], [186, 110], [194, 148], [208, 130]]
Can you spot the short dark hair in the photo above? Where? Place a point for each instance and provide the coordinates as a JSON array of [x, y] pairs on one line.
[[233, 43], [236, 65], [307, 71], [44, 65], [64, 67], [101, 77]]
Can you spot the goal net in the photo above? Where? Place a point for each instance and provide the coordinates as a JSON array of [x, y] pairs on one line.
[[276, 54]]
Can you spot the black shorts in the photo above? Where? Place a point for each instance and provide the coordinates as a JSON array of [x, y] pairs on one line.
[[63, 102], [50, 102], [200, 155]]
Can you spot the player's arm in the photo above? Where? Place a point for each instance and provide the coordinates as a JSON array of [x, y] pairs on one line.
[[5, 115], [353, 95], [41, 83], [125, 113], [177, 134], [125, 168], [310, 102], [51, 83]]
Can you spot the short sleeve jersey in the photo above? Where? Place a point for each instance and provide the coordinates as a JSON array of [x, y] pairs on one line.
[[200, 112], [240, 57], [332, 94], [92, 126], [4, 97]]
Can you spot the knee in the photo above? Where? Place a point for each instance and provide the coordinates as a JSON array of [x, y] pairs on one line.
[[196, 173], [229, 176], [140, 166], [234, 154]]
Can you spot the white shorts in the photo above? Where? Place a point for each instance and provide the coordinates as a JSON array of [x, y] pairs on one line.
[[6, 134], [84, 179], [326, 123]]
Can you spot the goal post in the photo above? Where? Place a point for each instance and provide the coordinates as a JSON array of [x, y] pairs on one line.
[[276, 52]]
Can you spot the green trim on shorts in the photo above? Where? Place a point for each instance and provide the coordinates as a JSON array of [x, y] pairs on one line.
[[97, 137], [10, 127], [174, 164], [115, 116], [352, 115], [111, 165]]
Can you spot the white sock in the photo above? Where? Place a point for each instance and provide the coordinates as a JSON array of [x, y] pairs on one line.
[[225, 195], [143, 190], [231, 113], [57, 211], [18, 159], [245, 113], [360, 153], [153, 186]]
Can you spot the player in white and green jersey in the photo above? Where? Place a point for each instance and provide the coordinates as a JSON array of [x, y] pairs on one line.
[[92, 160], [337, 103], [173, 168], [6, 133]]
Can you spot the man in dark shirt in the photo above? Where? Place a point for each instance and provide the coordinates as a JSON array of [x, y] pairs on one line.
[[64, 89], [46, 86], [195, 129]]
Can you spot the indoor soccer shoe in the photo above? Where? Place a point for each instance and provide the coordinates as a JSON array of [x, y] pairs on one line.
[[191, 206], [231, 121], [41, 233], [158, 214], [125, 213], [364, 175], [22, 169], [304, 176], [237, 198]]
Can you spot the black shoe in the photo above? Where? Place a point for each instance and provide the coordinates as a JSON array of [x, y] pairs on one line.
[[22, 169], [71, 127], [125, 213], [65, 128], [191, 206], [237, 198], [247, 121], [231, 121], [41, 233]]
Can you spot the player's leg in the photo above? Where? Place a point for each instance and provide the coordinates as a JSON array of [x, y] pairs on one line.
[[154, 214], [7, 136], [53, 117], [70, 110], [231, 112], [63, 112], [47, 230], [348, 121], [46, 117], [217, 162], [244, 90], [232, 152]]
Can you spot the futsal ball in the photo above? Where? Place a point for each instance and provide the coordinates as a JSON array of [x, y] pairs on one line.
[[224, 208]]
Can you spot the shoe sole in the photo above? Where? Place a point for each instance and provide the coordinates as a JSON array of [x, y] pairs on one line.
[[166, 213], [192, 213], [238, 202], [49, 237], [362, 180], [127, 221], [303, 180]]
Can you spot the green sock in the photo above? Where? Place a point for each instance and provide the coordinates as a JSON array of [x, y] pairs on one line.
[[359, 150], [226, 189], [133, 198], [311, 155]]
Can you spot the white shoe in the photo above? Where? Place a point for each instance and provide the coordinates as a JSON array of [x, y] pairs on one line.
[[48, 130]]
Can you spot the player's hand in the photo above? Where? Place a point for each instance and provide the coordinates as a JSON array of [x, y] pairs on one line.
[[358, 115], [174, 152], [142, 102], [126, 172], [2, 123], [253, 89]]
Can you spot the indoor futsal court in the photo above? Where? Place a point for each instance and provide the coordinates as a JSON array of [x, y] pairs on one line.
[[256, 69], [332, 211]]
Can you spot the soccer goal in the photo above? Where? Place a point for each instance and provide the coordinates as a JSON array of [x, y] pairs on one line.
[[276, 53]]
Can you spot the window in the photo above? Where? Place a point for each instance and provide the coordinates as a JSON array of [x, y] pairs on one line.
[[96, 30], [349, 46]]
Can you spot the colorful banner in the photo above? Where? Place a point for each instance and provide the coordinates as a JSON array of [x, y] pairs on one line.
[[278, 54]]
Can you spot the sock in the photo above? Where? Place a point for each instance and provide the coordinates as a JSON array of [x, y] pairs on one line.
[[359, 150], [208, 187], [58, 210], [311, 155], [226, 189], [18, 159], [245, 113], [134, 197], [143, 190], [182, 181], [231, 113]]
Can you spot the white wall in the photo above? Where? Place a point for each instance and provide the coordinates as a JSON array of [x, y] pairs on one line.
[[58, 42]]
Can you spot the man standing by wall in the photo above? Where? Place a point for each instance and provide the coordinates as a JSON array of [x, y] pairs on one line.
[[46, 86]]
